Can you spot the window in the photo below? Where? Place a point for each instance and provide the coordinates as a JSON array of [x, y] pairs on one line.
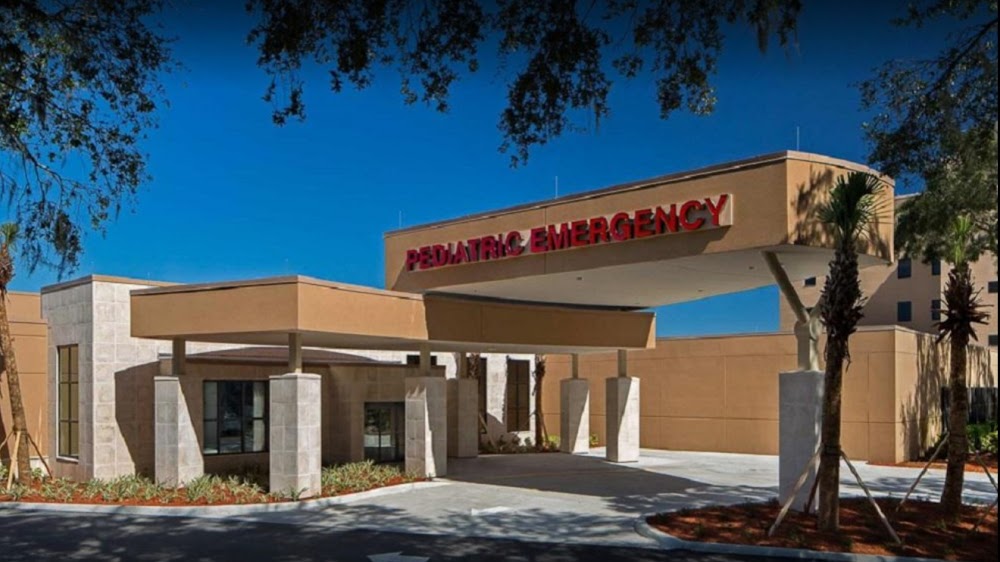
[[936, 310], [235, 417], [810, 282], [904, 311], [69, 401], [993, 340], [384, 432], [905, 269], [414, 360], [993, 287], [936, 268], [518, 395]]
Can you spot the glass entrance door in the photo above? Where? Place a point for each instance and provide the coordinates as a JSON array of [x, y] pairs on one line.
[[384, 432]]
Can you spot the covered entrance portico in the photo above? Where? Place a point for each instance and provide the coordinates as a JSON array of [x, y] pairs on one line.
[[299, 312]]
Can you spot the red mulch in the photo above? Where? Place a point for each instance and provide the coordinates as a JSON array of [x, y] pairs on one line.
[[920, 526], [178, 498]]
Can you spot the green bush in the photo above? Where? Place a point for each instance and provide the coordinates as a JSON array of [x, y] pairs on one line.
[[980, 437], [360, 476]]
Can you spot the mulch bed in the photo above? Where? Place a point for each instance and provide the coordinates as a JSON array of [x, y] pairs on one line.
[[924, 532], [178, 497]]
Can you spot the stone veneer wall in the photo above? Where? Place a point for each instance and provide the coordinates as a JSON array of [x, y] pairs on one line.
[[96, 316]]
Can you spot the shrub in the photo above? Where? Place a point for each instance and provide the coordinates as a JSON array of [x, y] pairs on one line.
[[594, 441], [360, 476], [980, 437]]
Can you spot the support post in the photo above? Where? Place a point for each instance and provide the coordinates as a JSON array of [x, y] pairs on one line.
[[622, 417], [807, 322], [463, 417], [574, 415], [177, 456], [294, 352], [296, 440], [575, 362], [426, 426]]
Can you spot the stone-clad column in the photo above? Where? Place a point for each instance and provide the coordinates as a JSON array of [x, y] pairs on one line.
[[177, 456], [622, 414], [800, 414], [463, 418], [574, 416], [296, 445], [426, 426]]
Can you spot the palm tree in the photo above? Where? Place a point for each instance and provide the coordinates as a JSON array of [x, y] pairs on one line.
[[955, 220], [962, 311], [852, 206], [8, 239]]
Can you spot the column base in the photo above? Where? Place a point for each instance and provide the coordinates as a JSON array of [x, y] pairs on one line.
[[800, 405], [574, 416], [296, 440], [622, 416], [177, 454], [426, 426]]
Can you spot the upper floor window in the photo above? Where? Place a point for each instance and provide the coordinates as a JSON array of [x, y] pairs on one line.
[[905, 269], [993, 287], [936, 268], [993, 340], [235, 417], [68, 394], [904, 311], [936, 310], [810, 282]]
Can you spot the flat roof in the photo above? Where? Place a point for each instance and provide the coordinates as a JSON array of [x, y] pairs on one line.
[[339, 316]]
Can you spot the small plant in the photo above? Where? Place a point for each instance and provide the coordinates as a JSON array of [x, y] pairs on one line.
[[700, 532], [3, 473], [594, 441]]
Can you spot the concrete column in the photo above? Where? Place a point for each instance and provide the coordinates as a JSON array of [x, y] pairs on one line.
[[574, 415], [295, 353], [622, 416], [177, 456], [463, 418], [426, 426], [296, 443], [800, 414]]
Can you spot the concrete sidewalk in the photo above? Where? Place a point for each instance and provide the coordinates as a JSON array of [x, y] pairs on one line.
[[584, 499]]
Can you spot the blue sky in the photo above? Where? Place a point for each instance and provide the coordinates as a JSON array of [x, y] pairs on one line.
[[234, 196]]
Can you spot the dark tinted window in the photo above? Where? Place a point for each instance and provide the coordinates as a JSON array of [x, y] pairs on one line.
[[936, 267], [936, 310], [905, 269], [993, 287], [235, 419], [811, 282], [904, 312]]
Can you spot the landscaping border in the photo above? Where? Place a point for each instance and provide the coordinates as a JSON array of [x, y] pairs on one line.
[[670, 542], [229, 510]]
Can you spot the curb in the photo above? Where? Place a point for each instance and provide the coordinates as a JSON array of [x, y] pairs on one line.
[[208, 511], [670, 542]]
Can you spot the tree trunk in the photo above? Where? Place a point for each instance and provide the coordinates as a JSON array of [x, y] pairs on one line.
[[14, 390], [828, 478], [958, 439], [540, 433]]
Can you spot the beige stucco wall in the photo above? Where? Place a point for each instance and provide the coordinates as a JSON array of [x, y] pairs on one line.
[[720, 394], [28, 330]]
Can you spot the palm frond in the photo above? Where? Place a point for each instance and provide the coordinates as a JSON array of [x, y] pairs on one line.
[[854, 204], [9, 233]]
